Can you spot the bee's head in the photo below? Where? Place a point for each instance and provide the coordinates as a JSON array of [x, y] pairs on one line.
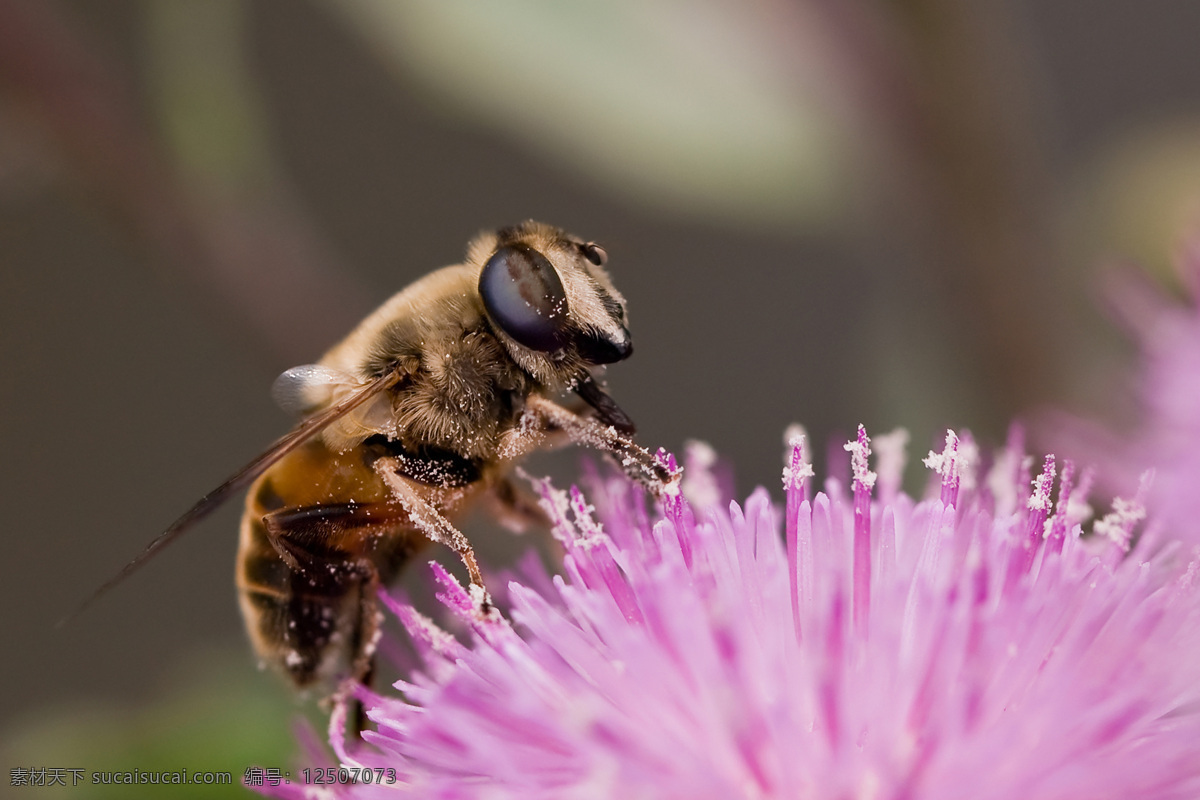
[[547, 295]]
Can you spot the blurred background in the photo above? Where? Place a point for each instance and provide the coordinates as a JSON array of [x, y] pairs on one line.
[[893, 213]]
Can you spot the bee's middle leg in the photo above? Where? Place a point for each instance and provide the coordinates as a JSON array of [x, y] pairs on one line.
[[428, 519]]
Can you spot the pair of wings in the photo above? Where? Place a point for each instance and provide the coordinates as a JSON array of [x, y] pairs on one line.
[[326, 395]]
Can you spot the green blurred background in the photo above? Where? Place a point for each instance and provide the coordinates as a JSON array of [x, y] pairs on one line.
[[895, 213]]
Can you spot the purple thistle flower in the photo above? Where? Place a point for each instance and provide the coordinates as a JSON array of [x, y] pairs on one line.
[[972, 644]]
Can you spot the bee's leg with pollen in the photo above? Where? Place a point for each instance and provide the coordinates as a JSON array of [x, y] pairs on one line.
[[542, 414], [428, 520]]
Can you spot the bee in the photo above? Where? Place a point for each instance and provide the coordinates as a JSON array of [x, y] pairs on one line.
[[419, 413]]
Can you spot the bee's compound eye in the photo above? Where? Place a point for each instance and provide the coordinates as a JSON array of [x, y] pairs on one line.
[[595, 254], [524, 296]]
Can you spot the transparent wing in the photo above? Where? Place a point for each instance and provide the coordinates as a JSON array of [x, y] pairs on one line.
[[244, 477]]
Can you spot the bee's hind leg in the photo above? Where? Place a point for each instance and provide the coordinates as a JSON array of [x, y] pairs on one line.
[[339, 554]]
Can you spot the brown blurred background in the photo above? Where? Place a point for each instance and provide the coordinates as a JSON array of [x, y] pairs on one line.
[[831, 213]]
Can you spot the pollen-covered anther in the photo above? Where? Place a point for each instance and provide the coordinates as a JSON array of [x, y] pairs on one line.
[[797, 468], [860, 451], [955, 464], [945, 463], [1039, 500], [1117, 525]]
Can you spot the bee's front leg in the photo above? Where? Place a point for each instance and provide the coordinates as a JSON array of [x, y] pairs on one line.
[[544, 415]]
